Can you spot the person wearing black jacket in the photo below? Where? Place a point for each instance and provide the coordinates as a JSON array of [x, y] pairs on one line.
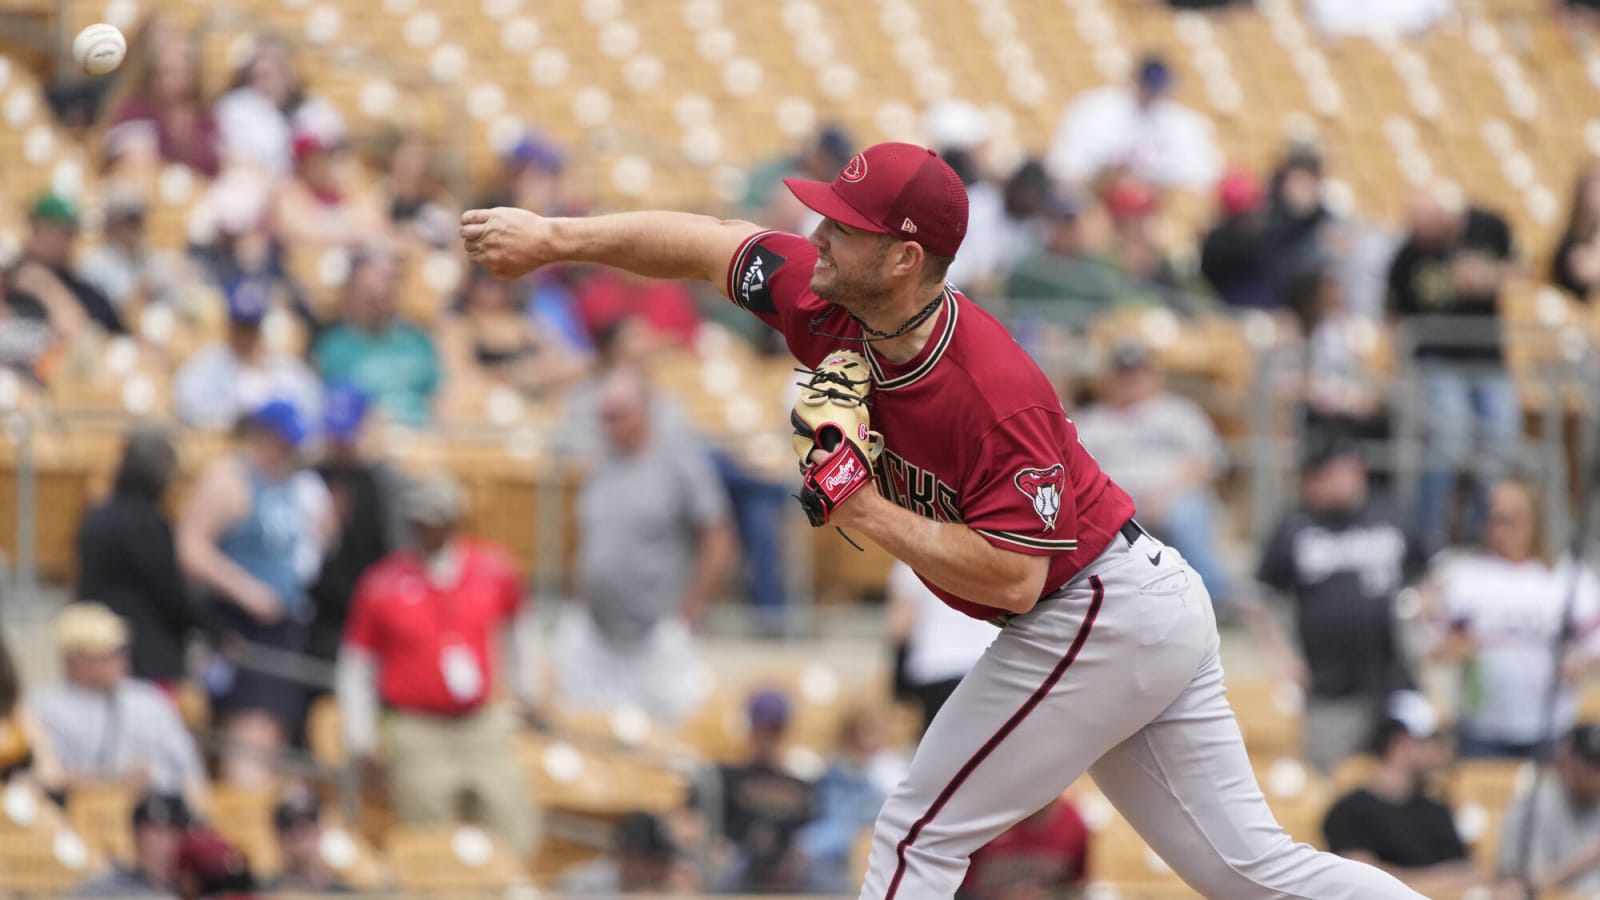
[[127, 559], [370, 525]]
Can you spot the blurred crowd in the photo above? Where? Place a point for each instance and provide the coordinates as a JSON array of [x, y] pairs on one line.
[[301, 563]]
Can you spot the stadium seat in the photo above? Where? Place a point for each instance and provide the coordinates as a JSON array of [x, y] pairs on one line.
[[43, 862], [102, 814], [449, 860], [1269, 715], [243, 817], [1119, 856]]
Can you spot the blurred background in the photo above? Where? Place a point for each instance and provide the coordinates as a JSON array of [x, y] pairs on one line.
[[332, 564]]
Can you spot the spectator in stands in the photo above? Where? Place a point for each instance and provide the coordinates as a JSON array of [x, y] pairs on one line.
[[128, 560], [654, 546], [1562, 853], [160, 822], [420, 211], [1576, 265], [489, 340], [765, 806], [1392, 821], [163, 119], [643, 859], [1445, 284], [431, 628], [297, 824], [1044, 855], [208, 866], [1135, 210], [1297, 217], [1377, 18], [266, 101], [1499, 611], [531, 176], [123, 268], [27, 339], [1341, 559], [225, 380], [392, 361], [366, 492], [43, 285], [1341, 392], [104, 725], [1162, 449], [848, 798], [1239, 255], [25, 750], [935, 646], [239, 536], [1138, 127], [1074, 276], [819, 155], [325, 204]]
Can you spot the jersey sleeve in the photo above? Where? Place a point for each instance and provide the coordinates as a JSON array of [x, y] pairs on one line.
[[1019, 494], [770, 277]]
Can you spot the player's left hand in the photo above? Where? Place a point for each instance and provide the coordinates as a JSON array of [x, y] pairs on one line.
[[850, 510]]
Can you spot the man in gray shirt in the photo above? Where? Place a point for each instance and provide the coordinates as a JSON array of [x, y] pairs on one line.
[[105, 726], [655, 544], [1564, 853]]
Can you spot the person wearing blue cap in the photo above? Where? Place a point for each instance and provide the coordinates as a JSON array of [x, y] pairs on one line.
[[242, 534], [224, 380], [1137, 127]]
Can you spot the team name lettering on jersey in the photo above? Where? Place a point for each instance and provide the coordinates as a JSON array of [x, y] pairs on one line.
[[919, 490]]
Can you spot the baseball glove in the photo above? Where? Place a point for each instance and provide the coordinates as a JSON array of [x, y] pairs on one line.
[[832, 416]]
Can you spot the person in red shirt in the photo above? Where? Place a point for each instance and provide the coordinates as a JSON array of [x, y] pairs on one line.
[[1045, 855], [1107, 658], [428, 628]]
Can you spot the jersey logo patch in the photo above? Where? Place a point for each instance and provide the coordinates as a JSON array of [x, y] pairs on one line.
[[760, 264], [1044, 487], [855, 169]]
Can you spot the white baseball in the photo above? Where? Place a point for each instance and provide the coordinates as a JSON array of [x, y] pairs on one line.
[[99, 49]]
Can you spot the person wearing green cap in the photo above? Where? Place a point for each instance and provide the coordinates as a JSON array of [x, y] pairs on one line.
[[43, 280]]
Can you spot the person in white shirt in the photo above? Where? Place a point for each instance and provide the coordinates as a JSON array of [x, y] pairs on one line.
[[1162, 449], [257, 117], [1498, 612], [935, 644], [1142, 129], [124, 267], [222, 381]]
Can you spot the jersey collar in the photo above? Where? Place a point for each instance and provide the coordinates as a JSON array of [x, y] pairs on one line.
[[944, 331]]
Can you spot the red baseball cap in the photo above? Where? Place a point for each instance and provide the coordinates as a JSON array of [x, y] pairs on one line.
[[899, 189]]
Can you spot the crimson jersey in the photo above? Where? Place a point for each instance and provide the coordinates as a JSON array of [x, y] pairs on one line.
[[973, 431]]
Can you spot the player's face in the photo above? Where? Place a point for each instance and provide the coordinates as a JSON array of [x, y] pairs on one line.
[[850, 264]]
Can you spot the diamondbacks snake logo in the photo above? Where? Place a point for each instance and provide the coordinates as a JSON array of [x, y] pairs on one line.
[[1044, 487]]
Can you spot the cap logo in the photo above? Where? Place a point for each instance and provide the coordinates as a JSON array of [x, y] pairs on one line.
[[855, 169], [908, 226]]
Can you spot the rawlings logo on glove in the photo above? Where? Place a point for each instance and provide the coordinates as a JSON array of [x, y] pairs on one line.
[[831, 415]]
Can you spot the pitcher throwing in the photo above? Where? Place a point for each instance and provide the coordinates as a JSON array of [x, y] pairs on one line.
[[962, 463]]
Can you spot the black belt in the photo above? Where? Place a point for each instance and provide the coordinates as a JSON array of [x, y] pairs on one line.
[[1131, 531]]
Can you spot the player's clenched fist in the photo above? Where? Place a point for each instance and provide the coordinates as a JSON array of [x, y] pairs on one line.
[[508, 242]]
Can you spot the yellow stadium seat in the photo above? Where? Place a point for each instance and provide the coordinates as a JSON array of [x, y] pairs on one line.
[[102, 814], [243, 817], [46, 862], [450, 860]]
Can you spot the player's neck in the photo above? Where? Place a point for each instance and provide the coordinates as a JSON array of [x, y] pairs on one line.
[[906, 346]]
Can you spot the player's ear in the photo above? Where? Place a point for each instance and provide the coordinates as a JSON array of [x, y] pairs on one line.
[[907, 258]]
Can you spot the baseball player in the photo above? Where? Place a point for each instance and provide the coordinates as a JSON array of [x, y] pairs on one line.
[[929, 430]]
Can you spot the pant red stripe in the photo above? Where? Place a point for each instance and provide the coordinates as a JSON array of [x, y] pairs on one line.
[[994, 740]]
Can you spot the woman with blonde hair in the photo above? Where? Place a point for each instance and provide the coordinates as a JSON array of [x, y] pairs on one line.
[[1503, 615]]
